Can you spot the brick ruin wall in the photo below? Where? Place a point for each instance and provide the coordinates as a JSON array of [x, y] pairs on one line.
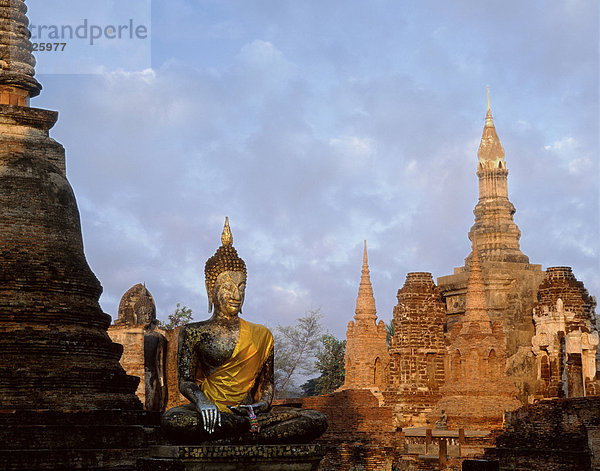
[[556, 434], [417, 365], [360, 433], [132, 359]]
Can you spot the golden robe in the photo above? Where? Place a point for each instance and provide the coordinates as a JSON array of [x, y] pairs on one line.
[[230, 383]]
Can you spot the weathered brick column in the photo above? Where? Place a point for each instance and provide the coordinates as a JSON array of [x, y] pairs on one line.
[[65, 401], [55, 349], [418, 351]]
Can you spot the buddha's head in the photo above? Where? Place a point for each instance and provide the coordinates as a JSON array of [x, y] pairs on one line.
[[225, 274]]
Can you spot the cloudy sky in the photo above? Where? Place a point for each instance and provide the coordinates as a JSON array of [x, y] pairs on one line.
[[315, 125]]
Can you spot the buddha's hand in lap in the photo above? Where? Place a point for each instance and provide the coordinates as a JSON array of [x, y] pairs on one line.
[[242, 409], [211, 416]]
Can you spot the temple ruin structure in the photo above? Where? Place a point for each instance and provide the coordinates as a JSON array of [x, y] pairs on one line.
[[497, 334], [367, 357], [144, 345]]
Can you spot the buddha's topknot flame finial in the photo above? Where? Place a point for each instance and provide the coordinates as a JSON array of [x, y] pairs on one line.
[[226, 237]]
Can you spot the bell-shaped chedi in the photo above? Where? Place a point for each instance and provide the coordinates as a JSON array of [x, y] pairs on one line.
[[566, 337], [477, 391], [417, 352], [56, 353], [494, 232], [367, 356]]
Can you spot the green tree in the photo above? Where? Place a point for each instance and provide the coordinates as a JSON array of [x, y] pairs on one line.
[[295, 350], [181, 316], [389, 332], [309, 388], [330, 362]]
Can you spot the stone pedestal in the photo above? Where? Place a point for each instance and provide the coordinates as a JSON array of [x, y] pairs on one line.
[[75, 439], [233, 458]]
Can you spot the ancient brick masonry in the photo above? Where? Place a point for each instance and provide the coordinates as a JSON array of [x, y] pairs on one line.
[[417, 352], [562, 434], [60, 375], [497, 334], [367, 357], [477, 391], [510, 281], [56, 352], [360, 435], [136, 310], [566, 340]]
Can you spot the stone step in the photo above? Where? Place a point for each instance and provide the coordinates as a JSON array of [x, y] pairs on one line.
[[23, 437], [91, 459], [78, 417]]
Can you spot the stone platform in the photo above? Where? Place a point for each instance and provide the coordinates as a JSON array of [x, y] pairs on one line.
[[233, 458], [75, 439]]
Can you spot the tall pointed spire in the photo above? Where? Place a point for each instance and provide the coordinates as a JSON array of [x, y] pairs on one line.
[[476, 302], [17, 83], [365, 301], [490, 148], [495, 232]]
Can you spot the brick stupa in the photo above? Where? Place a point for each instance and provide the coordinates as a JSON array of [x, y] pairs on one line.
[[65, 402], [477, 392], [510, 281], [367, 356], [494, 232]]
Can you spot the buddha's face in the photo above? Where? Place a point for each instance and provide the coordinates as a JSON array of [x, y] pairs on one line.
[[229, 292]]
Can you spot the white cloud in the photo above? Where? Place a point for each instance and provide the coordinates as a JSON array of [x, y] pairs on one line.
[[261, 54], [564, 144], [580, 166], [353, 145], [314, 138]]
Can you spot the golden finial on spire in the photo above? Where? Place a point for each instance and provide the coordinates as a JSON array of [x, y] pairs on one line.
[[488, 116], [365, 254], [226, 237], [490, 148]]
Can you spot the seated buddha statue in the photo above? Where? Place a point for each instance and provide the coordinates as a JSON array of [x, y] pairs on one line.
[[225, 368]]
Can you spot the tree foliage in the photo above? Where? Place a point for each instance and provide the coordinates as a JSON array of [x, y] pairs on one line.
[[309, 388], [389, 332], [181, 316], [295, 349], [330, 362]]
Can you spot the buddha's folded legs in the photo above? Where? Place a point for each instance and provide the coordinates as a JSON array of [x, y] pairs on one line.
[[281, 425]]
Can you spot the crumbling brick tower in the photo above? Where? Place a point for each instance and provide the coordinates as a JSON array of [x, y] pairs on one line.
[[477, 391], [566, 340], [60, 376], [367, 357], [417, 352], [510, 281]]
